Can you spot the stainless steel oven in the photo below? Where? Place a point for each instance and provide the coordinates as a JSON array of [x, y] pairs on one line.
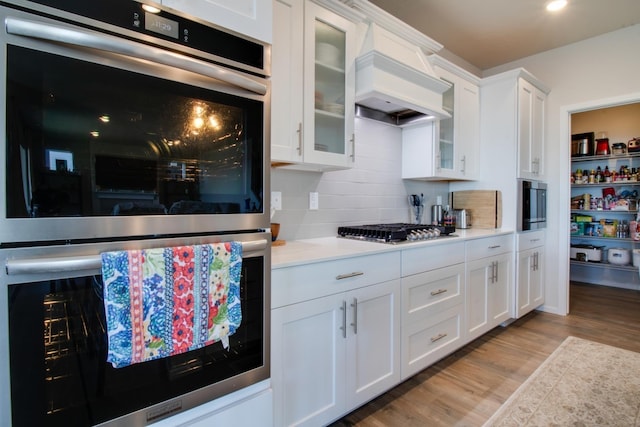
[[124, 127], [122, 120], [53, 346], [532, 205]]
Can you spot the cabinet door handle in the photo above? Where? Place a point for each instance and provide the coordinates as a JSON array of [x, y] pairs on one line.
[[497, 278], [344, 319], [438, 337], [353, 147], [438, 292], [438, 162], [464, 164], [300, 138], [348, 275], [354, 304]]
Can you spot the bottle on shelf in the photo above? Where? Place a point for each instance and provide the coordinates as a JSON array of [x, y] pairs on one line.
[[607, 174], [634, 227]]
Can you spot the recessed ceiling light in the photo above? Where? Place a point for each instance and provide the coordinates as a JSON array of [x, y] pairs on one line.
[[556, 5]]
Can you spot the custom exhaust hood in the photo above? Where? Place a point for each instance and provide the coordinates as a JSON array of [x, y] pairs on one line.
[[394, 81]]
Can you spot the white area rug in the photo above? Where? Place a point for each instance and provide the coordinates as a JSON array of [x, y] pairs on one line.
[[582, 383]]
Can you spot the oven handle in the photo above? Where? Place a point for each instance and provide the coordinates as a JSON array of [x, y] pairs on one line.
[[59, 34], [86, 262]]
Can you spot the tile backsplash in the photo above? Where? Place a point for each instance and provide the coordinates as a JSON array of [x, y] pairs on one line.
[[371, 192]]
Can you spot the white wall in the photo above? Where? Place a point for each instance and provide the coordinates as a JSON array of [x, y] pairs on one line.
[[601, 71], [371, 192]]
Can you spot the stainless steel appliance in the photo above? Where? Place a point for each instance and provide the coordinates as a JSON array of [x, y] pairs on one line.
[[532, 205], [394, 233], [54, 348], [582, 144], [462, 217], [126, 128], [120, 121]]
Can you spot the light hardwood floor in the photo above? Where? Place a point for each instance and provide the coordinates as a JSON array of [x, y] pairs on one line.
[[467, 387]]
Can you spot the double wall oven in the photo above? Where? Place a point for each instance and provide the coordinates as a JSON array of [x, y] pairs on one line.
[[125, 127]]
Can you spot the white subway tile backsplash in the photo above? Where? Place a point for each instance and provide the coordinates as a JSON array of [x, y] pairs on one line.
[[371, 192]]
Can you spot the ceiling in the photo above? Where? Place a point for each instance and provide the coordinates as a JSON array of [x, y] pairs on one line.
[[489, 33]]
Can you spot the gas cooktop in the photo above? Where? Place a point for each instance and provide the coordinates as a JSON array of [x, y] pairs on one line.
[[394, 233]]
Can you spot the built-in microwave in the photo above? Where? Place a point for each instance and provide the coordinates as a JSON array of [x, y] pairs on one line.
[[532, 205]]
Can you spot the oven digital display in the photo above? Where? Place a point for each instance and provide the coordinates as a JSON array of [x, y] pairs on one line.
[[161, 25]]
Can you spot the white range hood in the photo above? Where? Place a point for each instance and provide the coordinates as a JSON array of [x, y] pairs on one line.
[[394, 78]]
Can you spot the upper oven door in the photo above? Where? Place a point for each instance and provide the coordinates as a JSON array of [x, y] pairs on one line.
[[109, 137]]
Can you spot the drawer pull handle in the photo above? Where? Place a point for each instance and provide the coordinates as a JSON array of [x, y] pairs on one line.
[[348, 275], [438, 337], [438, 292], [494, 246], [534, 240]]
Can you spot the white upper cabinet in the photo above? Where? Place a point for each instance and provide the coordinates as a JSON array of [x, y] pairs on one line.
[[249, 17], [452, 151], [313, 85], [531, 109], [286, 83]]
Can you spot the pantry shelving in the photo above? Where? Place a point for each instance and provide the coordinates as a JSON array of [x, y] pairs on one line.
[[603, 212]]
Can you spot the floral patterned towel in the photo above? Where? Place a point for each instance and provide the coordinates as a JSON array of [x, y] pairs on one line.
[[165, 301]]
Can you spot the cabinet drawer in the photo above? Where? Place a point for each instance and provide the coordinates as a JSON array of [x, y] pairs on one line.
[[427, 293], [489, 246], [424, 343], [304, 282], [529, 240], [429, 258]]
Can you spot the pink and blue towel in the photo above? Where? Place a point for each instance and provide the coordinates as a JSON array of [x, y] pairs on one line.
[[166, 301]]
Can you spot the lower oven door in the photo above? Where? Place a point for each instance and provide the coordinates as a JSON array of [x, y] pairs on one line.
[[54, 342]]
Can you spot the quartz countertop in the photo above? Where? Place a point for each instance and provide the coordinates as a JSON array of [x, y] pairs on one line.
[[298, 252]]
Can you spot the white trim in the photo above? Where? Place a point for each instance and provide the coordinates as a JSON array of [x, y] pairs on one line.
[[565, 186]]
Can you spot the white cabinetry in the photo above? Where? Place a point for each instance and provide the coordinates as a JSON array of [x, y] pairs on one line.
[[432, 305], [488, 293], [531, 110], [448, 148], [249, 17], [313, 87], [335, 336], [530, 267]]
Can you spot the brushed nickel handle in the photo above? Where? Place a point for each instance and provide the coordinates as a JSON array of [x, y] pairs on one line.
[[464, 164], [494, 246], [354, 304], [85, 39], [438, 337], [438, 292], [353, 147], [344, 319], [300, 138], [348, 275]]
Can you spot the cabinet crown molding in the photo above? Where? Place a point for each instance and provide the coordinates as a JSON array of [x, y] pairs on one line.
[[376, 15], [514, 75]]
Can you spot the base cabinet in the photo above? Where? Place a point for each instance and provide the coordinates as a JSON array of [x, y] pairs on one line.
[[432, 307], [334, 353], [530, 276], [488, 284]]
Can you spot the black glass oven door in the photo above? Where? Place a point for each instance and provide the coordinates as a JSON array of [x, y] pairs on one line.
[[58, 349], [85, 139]]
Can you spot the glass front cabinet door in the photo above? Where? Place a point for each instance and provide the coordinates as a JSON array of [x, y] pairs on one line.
[[329, 88]]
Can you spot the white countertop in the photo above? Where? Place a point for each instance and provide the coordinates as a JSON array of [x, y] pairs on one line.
[[308, 251]]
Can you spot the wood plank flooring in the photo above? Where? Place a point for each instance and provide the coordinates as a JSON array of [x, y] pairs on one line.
[[467, 387]]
